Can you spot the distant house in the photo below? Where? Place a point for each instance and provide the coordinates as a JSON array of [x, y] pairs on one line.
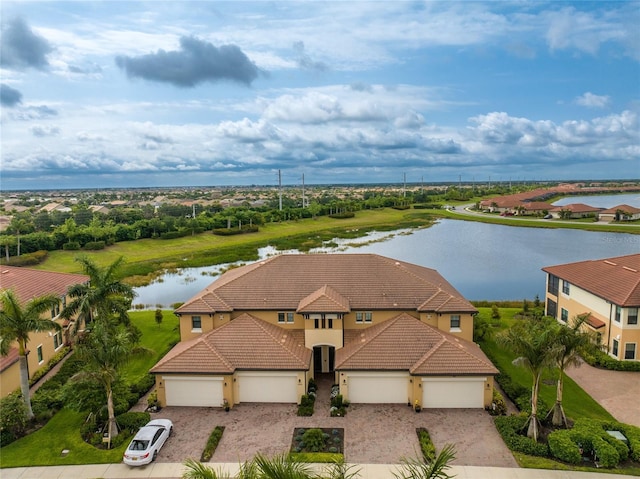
[[620, 213], [575, 211], [386, 331], [28, 284], [50, 207], [103, 210], [608, 290]]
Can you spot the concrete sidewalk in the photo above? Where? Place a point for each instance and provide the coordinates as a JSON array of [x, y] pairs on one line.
[[367, 471]]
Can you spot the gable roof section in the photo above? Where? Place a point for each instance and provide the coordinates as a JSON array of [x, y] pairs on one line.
[[28, 283], [615, 279], [353, 281], [625, 208], [324, 300], [405, 343], [245, 343], [576, 208]]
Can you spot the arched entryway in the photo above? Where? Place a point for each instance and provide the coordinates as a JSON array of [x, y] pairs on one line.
[[324, 358]]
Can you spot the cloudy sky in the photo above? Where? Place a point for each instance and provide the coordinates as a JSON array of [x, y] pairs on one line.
[[171, 93]]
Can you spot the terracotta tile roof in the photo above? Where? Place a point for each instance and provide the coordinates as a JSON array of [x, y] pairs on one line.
[[10, 359], [324, 300], [594, 322], [615, 279], [356, 281], [30, 283], [626, 208], [244, 343], [577, 208], [537, 205], [404, 343]]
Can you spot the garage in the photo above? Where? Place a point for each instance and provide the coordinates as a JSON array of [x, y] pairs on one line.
[[193, 391], [378, 388], [453, 392], [267, 386]]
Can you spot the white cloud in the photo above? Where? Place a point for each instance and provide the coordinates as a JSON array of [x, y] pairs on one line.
[[591, 100]]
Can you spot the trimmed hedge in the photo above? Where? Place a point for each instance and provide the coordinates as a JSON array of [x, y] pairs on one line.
[[509, 428], [426, 445], [94, 245], [600, 359], [132, 421], [235, 231], [212, 443], [307, 402], [71, 246], [562, 447], [27, 259], [341, 216]]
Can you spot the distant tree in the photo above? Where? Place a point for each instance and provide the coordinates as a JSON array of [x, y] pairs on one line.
[[158, 316], [495, 312]]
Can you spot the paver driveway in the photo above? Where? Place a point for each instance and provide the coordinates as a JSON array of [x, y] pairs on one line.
[[374, 433]]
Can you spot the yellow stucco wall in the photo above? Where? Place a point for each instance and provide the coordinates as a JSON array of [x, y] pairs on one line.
[[10, 379]]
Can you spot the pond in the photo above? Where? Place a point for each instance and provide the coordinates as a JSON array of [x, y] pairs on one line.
[[482, 261]]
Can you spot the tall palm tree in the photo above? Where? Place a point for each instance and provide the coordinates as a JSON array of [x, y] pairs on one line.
[[436, 469], [570, 341], [104, 297], [532, 341], [104, 351], [17, 322]]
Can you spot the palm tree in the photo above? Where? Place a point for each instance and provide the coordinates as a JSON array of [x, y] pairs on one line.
[[436, 469], [102, 298], [282, 467], [197, 470], [570, 341], [17, 322], [532, 341], [104, 351]]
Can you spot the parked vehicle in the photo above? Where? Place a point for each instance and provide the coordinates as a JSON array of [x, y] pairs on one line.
[[144, 447]]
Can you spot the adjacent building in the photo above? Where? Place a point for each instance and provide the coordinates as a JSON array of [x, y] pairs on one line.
[[608, 290], [28, 284], [387, 331]]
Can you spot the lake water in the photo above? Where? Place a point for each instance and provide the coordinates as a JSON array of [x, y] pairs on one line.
[[482, 261]]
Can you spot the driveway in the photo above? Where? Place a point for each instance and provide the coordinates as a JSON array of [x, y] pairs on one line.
[[374, 433]]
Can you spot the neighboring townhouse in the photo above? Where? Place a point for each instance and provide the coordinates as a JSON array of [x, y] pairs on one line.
[[575, 211], [608, 290], [28, 284], [620, 213], [386, 331]]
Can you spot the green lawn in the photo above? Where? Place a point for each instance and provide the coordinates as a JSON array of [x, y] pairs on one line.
[[576, 402], [44, 447]]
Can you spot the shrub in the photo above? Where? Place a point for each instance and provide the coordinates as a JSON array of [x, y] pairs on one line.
[[598, 358], [235, 231], [94, 245], [314, 440], [13, 417], [341, 216], [563, 447], [498, 405], [606, 454], [305, 408], [212, 443], [426, 445], [132, 421], [71, 246], [510, 428], [28, 259], [55, 359]]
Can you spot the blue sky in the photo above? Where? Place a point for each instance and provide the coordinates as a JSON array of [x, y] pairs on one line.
[[177, 93]]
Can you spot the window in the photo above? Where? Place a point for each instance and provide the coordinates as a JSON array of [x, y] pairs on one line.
[[552, 285], [614, 348], [618, 314], [196, 322], [285, 317], [455, 321], [632, 317], [564, 315], [565, 287], [630, 351], [55, 311], [368, 317], [57, 340], [359, 317], [552, 308], [40, 358], [323, 322]]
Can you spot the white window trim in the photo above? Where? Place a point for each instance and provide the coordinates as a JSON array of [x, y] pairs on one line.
[[39, 348]]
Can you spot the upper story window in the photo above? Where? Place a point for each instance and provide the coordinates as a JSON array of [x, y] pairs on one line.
[[566, 287], [57, 340], [323, 322], [286, 317], [196, 322], [455, 321], [40, 357], [55, 311], [364, 317], [632, 316], [552, 284], [618, 314], [564, 315]]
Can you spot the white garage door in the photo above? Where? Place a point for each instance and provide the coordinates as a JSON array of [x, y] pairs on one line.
[[268, 386], [453, 392], [378, 388], [193, 391]]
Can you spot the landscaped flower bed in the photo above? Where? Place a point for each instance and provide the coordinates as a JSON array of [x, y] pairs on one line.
[[329, 440]]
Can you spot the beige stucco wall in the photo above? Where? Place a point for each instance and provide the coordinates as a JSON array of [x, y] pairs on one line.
[[443, 323], [10, 379]]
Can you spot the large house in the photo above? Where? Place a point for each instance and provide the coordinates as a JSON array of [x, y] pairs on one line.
[[28, 284], [608, 290], [387, 331]]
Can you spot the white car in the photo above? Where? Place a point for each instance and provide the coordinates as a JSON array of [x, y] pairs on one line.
[[144, 447]]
